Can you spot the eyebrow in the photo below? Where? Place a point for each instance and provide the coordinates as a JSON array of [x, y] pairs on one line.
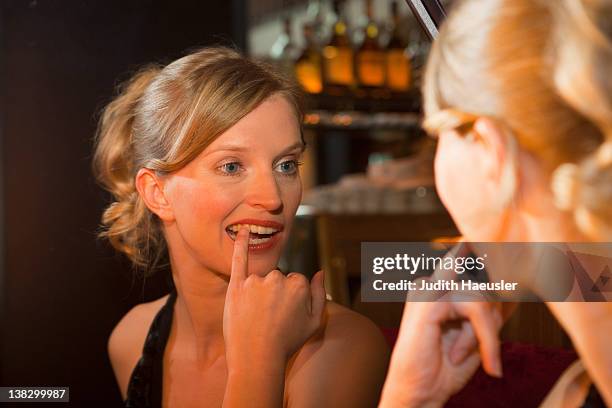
[[238, 148], [297, 145]]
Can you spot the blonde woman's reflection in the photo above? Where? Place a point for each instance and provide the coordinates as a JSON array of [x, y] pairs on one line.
[[202, 157]]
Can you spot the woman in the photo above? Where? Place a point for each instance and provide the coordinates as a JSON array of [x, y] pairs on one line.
[[202, 159], [519, 93]]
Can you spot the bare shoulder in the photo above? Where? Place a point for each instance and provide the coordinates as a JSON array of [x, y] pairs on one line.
[[346, 362], [127, 339], [349, 325]]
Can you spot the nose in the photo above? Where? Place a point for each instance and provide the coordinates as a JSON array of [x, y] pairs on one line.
[[264, 192]]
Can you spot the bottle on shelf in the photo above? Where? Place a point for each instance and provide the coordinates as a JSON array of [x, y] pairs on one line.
[[284, 51], [316, 18], [308, 64], [370, 58], [398, 66], [338, 57]]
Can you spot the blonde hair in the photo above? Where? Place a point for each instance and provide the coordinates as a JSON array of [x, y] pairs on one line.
[[542, 68], [162, 119]]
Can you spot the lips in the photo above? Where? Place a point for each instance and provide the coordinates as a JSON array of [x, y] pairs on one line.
[[263, 234]]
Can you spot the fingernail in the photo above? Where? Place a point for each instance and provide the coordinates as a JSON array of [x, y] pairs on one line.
[[497, 369]]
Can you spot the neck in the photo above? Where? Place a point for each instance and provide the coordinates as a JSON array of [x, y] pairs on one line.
[[548, 225], [533, 216], [198, 314]]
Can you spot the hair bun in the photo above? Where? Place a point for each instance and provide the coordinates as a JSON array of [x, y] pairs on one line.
[[586, 189], [604, 154], [565, 186]]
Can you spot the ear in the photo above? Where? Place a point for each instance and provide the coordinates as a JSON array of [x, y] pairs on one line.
[[151, 188], [498, 154]]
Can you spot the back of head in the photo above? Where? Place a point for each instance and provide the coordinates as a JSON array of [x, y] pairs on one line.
[[542, 67], [162, 119]]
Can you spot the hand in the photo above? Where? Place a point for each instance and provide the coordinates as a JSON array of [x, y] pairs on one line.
[[440, 346], [436, 352], [268, 317]]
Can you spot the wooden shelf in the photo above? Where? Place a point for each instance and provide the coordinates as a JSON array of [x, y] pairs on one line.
[[355, 120], [352, 101]]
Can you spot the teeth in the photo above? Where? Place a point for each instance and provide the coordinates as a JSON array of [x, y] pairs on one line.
[[255, 229], [252, 241], [258, 241]]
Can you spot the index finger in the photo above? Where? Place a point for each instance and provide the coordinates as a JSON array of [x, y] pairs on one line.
[[486, 326], [240, 256]]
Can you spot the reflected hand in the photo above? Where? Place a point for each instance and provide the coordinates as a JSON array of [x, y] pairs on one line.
[[440, 346], [268, 317]]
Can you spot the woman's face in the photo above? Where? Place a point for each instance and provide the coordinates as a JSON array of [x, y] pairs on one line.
[[247, 176]]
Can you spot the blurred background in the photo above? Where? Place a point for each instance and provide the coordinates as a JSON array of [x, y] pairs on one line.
[[367, 172]]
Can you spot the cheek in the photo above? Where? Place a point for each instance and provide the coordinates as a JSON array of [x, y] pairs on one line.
[[458, 180], [201, 203], [291, 193], [200, 209]]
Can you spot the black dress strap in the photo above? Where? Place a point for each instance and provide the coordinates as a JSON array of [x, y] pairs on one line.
[[593, 399], [146, 381]]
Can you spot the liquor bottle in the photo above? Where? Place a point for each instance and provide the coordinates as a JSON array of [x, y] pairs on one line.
[[397, 57], [316, 18], [370, 58], [284, 51], [338, 57], [308, 64]]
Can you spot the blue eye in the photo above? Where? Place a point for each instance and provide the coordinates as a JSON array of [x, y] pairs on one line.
[[231, 169], [288, 167]]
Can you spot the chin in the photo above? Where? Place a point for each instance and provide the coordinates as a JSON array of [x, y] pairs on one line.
[[261, 268]]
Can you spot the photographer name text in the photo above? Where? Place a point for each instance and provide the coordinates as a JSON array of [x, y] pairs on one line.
[[443, 285]]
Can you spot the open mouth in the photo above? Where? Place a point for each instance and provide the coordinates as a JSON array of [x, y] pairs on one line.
[[258, 234]]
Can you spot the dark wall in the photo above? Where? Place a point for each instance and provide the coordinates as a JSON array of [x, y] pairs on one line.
[[61, 290]]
